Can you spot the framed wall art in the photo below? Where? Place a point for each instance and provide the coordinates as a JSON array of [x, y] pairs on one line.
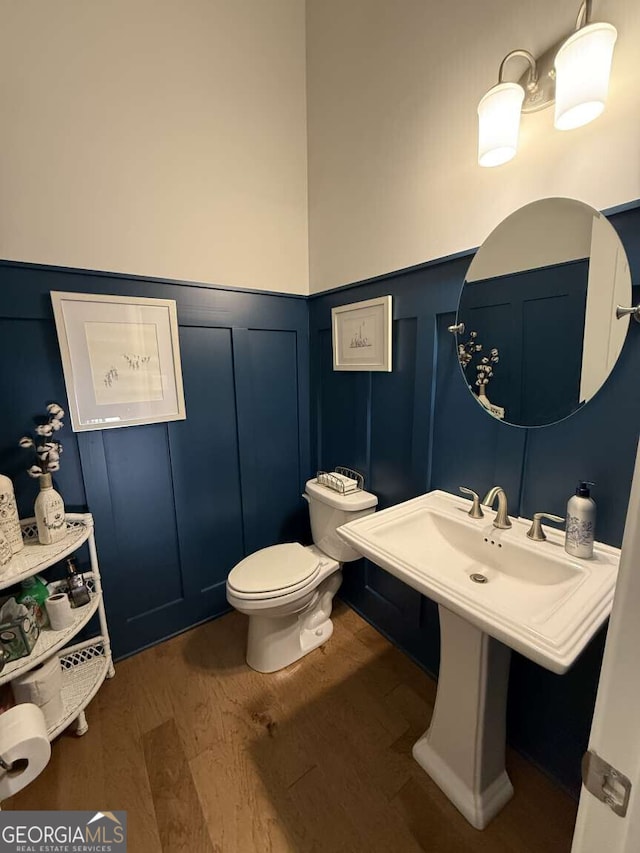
[[361, 334], [121, 359]]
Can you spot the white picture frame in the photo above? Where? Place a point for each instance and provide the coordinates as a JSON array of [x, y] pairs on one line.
[[361, 335], [121, 359]]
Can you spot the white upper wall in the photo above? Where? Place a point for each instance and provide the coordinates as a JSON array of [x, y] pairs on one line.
[[156, 137], [393, 87], [166, 138]]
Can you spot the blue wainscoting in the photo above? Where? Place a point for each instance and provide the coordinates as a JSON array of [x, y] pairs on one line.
[[418, 429], [175, 505]]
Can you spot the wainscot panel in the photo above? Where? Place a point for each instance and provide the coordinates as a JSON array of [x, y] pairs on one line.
[[175, 505]]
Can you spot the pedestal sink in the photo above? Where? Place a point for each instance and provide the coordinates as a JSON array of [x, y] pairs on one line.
[[496, 590]]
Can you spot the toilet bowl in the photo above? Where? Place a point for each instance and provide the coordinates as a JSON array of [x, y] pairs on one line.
[[287, 590]]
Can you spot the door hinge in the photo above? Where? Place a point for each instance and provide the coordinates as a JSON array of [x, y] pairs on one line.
[[606, 783]]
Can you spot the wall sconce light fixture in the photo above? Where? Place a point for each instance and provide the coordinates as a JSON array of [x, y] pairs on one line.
[[574, 74]]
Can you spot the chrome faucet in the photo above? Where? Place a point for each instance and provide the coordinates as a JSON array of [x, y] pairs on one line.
[[475, 511], [501, 521], [536, 532]]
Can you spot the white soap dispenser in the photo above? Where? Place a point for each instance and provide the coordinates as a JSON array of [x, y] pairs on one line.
[[581, 523]]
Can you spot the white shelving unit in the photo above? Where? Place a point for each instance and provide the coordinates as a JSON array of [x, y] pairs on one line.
[[84, 665]]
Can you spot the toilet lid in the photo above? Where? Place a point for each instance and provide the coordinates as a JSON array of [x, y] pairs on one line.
[[273, 569]]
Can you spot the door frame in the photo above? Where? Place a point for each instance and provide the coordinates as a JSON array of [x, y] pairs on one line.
[[615, 731]]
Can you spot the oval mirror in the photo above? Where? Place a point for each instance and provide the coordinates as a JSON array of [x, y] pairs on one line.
[[538, 308]]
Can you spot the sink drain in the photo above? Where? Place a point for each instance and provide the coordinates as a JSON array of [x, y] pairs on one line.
[[476, 577]]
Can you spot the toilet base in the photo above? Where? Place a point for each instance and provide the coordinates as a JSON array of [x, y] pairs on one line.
[[275, 642]]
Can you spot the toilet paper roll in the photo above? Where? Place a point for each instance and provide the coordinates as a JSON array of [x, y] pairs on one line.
[[52, 710], [24, 746], [39, 685], [59, 611]]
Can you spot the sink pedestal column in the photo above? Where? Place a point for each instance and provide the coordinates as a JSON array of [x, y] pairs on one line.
[[463, 749]]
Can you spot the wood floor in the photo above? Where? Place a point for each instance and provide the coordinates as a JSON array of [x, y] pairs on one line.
[[207, 755]]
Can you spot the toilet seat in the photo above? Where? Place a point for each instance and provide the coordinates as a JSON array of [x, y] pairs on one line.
[[274, 571]]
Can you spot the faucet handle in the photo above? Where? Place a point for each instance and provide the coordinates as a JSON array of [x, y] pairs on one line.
[[475, 511], [536, 532]]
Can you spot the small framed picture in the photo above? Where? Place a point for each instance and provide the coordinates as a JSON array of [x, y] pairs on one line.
[[121, 359], [361, 334]]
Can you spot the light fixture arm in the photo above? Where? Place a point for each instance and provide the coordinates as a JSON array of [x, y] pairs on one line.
[[532, 79], [584, 14]]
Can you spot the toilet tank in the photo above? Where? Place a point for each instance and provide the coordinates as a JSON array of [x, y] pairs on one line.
[[329, 510]]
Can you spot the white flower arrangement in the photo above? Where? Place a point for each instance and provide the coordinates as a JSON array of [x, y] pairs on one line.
[[484, 370], [467, 351], [47, 449]]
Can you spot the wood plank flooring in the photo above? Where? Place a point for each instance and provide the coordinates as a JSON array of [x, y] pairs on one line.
[[207, 755]]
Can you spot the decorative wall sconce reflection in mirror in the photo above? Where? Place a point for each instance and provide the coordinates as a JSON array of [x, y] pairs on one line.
[[573, 74]]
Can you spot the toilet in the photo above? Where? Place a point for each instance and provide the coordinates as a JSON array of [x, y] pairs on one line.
[[287, 590]]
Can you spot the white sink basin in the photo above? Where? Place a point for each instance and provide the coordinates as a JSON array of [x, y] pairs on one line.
[[537, 599], [496, 590]]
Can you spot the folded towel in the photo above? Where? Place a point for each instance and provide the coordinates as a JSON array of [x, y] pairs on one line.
[[329, 480]]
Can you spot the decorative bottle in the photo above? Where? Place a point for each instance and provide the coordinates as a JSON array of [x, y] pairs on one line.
[[49, 511], [78, 592], [9, 522], [5, 550], [581, 523]]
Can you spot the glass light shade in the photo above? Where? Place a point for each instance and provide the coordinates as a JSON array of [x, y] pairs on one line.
[[499, 124], [583, 66]]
